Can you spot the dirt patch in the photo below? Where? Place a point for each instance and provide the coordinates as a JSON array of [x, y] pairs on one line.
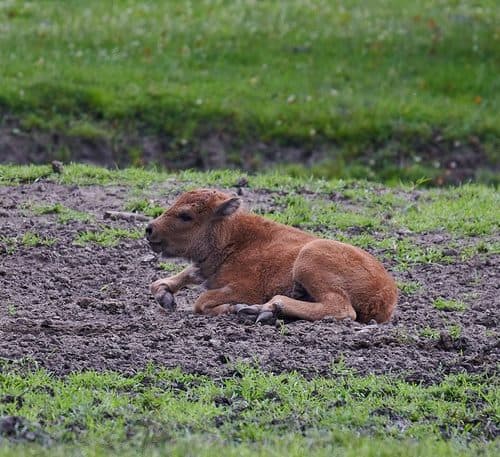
[[18, 429], [75, 307]]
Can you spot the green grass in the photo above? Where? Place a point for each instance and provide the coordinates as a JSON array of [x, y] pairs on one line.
[[430, 333], [107, 236], [455, 331], [298, 211], [449, 305], [409, 287], [170, 267], [350, 75], [466, 210], [30, 239], [166, 411], [7, 244], [64, 214], [144, 206]]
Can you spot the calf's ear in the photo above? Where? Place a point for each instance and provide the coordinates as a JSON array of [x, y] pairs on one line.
[[227, 207]]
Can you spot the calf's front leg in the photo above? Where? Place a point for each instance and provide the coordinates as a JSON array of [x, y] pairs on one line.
[[164, 289]]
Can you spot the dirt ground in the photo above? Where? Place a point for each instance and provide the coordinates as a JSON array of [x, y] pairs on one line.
[[71, 308]]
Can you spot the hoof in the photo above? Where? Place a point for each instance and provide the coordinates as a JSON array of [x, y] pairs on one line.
[[248, 313], [266, 317], [166, 301]]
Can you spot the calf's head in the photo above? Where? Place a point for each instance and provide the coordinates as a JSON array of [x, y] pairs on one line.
[[194, 225]]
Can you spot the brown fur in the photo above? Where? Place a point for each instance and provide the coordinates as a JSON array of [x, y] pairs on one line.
[[244, 258]]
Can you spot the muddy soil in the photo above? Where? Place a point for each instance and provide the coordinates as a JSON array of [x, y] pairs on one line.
[[72, 307]]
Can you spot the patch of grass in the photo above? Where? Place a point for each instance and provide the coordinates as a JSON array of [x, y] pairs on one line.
[[444, 304], [64, 214], [107, 236], [87, 131], [170, 267], [31, 239], [455, 331], [430, 333], [298, 211], [7, 244], [406, 253], [210, 178], [296, 72], [253, 413], [11, 310], [18, 174], [409, 287], [482, 247], [465, 210], [292, 210], [144, 206], [83, 174]]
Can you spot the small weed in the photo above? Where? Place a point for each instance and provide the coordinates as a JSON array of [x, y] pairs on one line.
[[147, 207], [406, 253], [430, 333], [332, 215], [170, 267], [449, 305], [11, 310], [291, 210], [87, 130], [30, 239], [64, 214], [409, 287], [482, 247], [282, 327], [7, 244], [403, 336], [108, 236], [455, 331]]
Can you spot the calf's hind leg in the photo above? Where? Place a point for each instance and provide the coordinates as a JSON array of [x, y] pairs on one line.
[[317, 272], [331, 301], [319, 278], [334, 303]]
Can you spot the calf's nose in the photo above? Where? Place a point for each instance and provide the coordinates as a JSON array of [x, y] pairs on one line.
[[149, 230]]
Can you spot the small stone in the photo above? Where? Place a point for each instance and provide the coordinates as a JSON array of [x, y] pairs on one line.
[[242, 182], [224, 359], [57, 166], [148, 258], [84, 302]]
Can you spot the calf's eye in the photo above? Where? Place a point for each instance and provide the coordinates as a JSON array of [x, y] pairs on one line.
[[186, 217]]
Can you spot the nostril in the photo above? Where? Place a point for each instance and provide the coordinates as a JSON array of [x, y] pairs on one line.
[[149, 230]]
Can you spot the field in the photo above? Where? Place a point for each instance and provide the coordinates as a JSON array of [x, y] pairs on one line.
[[92, 366], [375, 123], [383, 90]]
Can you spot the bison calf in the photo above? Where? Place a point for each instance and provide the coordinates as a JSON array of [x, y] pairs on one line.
[[261, 269]]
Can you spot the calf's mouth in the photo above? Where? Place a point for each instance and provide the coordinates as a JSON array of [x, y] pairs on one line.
[[156, 246]]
